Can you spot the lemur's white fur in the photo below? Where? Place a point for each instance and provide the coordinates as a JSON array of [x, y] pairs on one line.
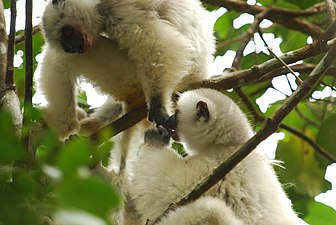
[[159, 176], [204, 211], [149, 47]]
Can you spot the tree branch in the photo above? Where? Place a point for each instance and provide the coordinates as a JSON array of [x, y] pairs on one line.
[[249, 34], [269, 127], [28, 81], [331, 10], [285, 17], [9, 101], [3, 50], [10, 54], [312, 143], [119, 125]]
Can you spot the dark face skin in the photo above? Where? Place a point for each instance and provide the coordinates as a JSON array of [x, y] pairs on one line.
[[172, 126], [72, 40]]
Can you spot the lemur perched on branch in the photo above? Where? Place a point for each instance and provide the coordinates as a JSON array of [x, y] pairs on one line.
[[212, 127], [134, 50]]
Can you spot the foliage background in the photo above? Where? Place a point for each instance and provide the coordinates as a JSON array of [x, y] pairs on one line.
[[60, 183]]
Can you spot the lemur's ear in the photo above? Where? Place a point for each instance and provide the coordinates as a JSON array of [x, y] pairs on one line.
[[202, 111]]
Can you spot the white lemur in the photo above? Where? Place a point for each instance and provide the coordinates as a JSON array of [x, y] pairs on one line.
[[212, 127], [134, 50]]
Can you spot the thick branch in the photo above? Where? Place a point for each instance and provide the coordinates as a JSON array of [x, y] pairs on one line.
[[9, 101], [269, 127], [10, 54], [287, 18], [331, 10], [3, 49], [29, 78]]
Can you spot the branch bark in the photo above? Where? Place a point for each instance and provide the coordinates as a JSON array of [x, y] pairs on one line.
[[3, 48], [331, 10], [28, 80], [9, 100], [11, 47]]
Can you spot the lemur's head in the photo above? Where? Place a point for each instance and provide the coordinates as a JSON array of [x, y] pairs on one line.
[[206, 117], [71, 25]]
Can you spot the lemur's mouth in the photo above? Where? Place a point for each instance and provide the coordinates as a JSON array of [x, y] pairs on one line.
[[74, 40], [172, 126]]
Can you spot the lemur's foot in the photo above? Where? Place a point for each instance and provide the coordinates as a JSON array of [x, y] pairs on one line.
[[158, 137]]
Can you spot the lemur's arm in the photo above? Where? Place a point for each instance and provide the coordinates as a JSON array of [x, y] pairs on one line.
[[58, 86], [161, 60]]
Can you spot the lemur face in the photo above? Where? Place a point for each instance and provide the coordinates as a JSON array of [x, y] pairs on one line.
[[201, 113], [74, 41], [71, 25], [172, 125]]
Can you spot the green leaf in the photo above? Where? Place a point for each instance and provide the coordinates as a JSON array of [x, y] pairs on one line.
[[90, 194], [302, 166], [178, 147], [75, 154], [223, 26], [254, 59], [320, 214], [10, 146], [292, 40], [6, 4], [326, 137]]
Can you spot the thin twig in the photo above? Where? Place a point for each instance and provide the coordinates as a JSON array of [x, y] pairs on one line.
[[300, 68], [312, 143], [278, 58], [330, 86], [306, 119], [250, 32], [223, 44]]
